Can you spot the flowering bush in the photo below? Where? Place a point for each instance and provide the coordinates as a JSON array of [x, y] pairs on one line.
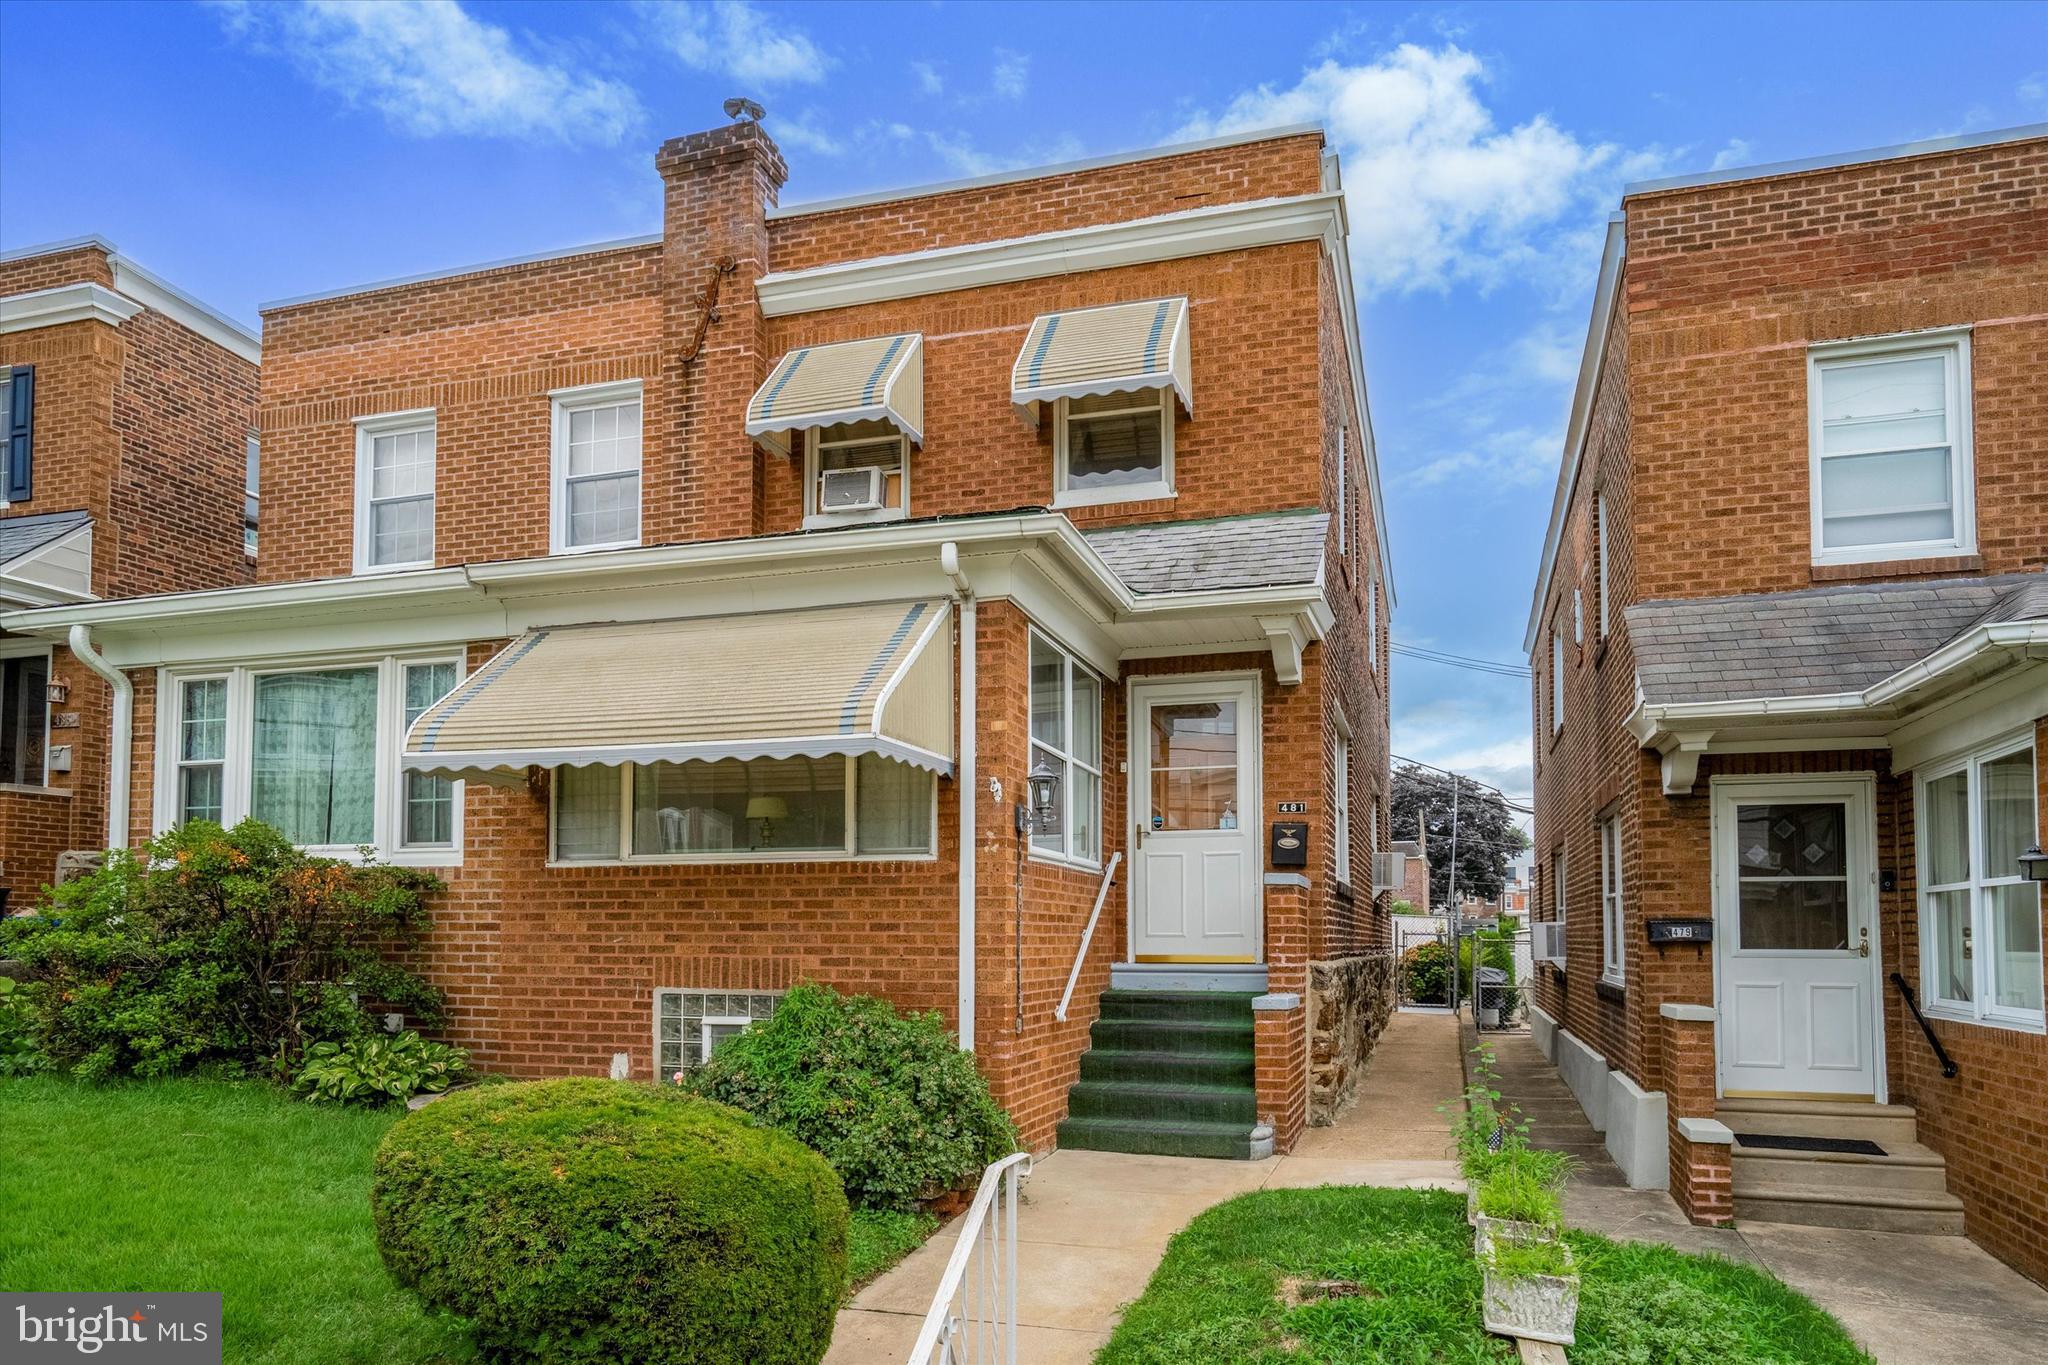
[[217, 949]]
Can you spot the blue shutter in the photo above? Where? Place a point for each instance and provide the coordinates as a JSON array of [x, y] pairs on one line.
[[21, 425]]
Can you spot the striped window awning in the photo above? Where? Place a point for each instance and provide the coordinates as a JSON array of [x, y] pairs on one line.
[[870, 679], [876, 379], [1119, 349]]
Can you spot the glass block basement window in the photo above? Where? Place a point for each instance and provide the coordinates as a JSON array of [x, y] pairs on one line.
[[691, 1025]]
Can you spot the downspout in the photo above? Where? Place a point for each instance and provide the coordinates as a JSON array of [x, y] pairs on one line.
[[120, 744], [965, 787]]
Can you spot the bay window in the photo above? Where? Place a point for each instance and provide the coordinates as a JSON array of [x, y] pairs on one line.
[[1066, 734], [1980, 919], [312, 750], [1891, 474], [835, 806]]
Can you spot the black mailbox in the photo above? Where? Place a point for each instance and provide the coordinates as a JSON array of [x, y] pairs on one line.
[[1667, 931], [1290, 844]]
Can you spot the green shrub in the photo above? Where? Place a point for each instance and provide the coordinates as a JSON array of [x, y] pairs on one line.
[[19, 1055], [1426, 968], [376, 1068], [218, 951], [896, 1107], [592, 1220]]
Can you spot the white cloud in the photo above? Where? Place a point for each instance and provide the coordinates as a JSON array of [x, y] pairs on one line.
[[2034, 90], [928, 78], [431, 68], [804, 131], [1736, 153], [736, 39], [1012, 74], [1439, 193], [1495, 461]]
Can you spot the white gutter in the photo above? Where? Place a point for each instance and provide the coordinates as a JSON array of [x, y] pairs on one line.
[[967, 790], [120, 745]]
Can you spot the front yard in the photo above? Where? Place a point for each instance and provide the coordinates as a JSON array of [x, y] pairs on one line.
[[1352, 1275], [240, 1188]]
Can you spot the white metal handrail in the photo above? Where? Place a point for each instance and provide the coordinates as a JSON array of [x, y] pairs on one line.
[[1088, 935], [973, 1316]]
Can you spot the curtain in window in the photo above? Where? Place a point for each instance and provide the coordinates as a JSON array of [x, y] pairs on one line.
[[2012, 912], [315, 769], [892, 807]]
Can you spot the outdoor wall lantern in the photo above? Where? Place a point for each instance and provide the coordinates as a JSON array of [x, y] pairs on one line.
[[1044, 785], [2034, 864]]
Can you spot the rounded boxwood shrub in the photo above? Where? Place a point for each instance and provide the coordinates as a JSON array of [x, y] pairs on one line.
[[890, 1099], [594, 1220]]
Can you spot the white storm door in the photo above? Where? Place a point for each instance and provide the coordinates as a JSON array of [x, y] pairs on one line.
[[1795, 939], [1194, 802]]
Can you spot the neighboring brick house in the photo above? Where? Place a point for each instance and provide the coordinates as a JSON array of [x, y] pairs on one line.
[[1790, 642], [691, 602], [128, 411]]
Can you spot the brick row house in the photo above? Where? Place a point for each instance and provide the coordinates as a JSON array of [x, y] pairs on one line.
[[972, 595], [128, 410], [1790, 643]]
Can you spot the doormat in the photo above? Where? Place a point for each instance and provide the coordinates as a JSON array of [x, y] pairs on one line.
[[1848, 1146]]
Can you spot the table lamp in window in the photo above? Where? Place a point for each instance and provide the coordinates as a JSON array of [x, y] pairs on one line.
[[765, 811]]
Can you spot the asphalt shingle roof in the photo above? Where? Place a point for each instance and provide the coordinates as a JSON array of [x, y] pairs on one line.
[[25, 535], [1228, 552], [1815, 642]]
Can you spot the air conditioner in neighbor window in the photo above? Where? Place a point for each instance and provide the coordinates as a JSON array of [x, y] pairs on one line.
[[1389, 871], [850, 490], [1546, 942]]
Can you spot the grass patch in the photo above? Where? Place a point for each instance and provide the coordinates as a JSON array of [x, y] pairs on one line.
[[878, 1238], [1227, 1292], [215, 1186]]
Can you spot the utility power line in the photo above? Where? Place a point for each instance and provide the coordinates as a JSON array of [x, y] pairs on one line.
[[1464, 661]]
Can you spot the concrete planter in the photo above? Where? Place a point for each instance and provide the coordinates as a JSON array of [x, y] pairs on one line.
[[1539, 1307]]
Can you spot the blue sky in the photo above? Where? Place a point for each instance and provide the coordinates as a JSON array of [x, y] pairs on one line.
[[251, 152]]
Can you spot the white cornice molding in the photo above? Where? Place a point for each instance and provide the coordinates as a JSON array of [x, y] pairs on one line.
[[82, 302], [1138, 241], [181, 308]]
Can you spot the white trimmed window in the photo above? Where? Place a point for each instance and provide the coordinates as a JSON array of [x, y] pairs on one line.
[[1980, 920], [394, 491], [596, 459], [24, 715], [1557, 896], [1600, 553], [1578, 617], [856, 472], [1556, 677], [1343, 494], [1340, 800], [1113, 447], [743, 810], [1066, 733], [1612, 940], [311, 749], [1890, 448], [1372, 621], [252, 483], [689, 1026]]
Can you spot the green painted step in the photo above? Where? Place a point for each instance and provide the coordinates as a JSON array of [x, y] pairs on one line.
[[1236, 1069], [1171, 1035], [1206, 1103], [1222, 1007], [1229, 1141]]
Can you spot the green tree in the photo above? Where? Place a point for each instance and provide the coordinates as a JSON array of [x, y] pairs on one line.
[[1487, 836]]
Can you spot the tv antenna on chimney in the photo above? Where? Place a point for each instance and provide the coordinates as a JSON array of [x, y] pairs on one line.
[[743, 110]]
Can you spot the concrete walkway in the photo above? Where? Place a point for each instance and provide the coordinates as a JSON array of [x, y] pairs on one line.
[[1093, 1225], [1907, 1299]]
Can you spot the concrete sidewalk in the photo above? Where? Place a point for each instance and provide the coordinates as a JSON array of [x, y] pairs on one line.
[[1093, 1225]]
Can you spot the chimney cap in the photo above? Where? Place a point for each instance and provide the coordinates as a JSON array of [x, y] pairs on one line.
[[743, 110]]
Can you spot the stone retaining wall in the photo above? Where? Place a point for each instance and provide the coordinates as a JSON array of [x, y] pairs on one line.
[[1350, 1000]]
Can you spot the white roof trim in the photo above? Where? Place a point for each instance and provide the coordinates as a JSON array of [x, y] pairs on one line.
[[24, 253], [1590, 363], [854, 201], [180, 307], [82, 302], [1925, 147], [456, 272]]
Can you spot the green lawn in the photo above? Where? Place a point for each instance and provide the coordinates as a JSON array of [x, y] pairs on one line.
[[243, 1189], [1218, 1295]]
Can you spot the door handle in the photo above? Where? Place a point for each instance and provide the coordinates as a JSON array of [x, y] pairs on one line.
[[1863, 950]]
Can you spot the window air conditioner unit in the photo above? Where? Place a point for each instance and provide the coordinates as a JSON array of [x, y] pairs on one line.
[[1546, 942], [1389, 871], [850, 490]]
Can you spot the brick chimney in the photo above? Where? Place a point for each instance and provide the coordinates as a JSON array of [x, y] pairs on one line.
[[717, 189]]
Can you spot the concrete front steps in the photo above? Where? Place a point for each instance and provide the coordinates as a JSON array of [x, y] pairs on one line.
[[1905, 1190], [1168, 1073]]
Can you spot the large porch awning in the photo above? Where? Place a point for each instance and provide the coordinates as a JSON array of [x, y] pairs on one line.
[[1123, 348], [877, 379], [869, 679]]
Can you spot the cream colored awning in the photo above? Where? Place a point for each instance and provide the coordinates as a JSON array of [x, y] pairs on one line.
[[878, 379], [869, 679], [1119, 349]]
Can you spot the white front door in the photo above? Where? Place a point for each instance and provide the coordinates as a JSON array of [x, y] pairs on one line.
[[1795, 938], [1194, 805]]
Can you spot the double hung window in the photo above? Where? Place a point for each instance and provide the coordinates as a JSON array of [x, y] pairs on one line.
[[596, 500], [1066, 735], [1891, 458], [394, 492]]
